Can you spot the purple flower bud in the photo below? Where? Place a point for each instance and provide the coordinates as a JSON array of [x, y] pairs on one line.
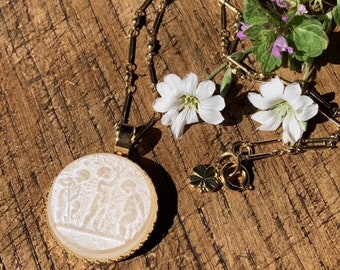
[[281, 45], [240, 34], [302, 9], [285, 18], [281, 3]]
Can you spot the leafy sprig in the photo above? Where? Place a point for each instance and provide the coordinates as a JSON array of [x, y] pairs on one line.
[[283, 33], [299, 37]]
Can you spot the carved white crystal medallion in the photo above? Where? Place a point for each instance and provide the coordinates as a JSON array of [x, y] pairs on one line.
[[102, 207]]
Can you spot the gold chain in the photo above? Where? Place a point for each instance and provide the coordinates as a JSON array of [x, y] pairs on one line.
[[126, 134]]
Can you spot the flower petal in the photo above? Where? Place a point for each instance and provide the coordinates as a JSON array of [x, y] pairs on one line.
[[241, 35], [215, 103], [272, 90], [177, 127], [164, 89], [276, 51], [173, 81], [286, 137], [169, 117], [191, 116], [163, 105], [301, 9], [290, 49], [292, 92], [187, 116], [307, 112], [205, 89], [292, 126], [303, 125], [281, 43], [301, 102], [210, 116], [189, 84], [258, 101], [270, 120]]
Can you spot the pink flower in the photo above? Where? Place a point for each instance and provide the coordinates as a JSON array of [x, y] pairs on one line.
[[281, 3], [241, 35], [285, 18], [302, 9], [281, 45]]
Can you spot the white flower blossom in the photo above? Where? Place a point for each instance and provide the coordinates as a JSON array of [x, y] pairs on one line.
[[286, 105], [181, 101]]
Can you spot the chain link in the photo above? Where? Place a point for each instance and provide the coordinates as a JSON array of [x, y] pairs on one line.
[[139, 22], [153, 44], [127, 135]]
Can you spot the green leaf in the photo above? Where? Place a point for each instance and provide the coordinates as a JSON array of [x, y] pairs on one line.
[[239, 55], [268, 61], [254, 32], [263, 50], [336, 13], [256, 14], [226, 82], [300, 55], [263, 31], [327, 21], [308, 35]]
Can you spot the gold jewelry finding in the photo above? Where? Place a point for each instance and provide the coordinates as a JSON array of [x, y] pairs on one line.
[[125, 136], [237, 181]]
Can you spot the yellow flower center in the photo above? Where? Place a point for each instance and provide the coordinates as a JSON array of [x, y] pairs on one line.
[[190, 101]]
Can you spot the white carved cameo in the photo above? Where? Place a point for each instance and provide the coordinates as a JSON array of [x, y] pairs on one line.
[[101, 207]]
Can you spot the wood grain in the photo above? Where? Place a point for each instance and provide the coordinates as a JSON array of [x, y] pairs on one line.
[[61, 92]]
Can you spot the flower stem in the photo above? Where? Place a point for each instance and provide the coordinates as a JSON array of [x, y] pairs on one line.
[[237, 56], [308, 70], [216, 71]]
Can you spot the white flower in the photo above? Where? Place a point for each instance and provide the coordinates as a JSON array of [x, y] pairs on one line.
[[283, 105], [181, 100]]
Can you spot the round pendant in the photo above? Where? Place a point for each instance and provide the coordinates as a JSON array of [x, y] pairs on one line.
[[102, 207]]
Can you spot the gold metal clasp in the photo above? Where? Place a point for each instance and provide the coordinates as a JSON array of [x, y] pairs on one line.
[[232, 173], [125, 137], [245, 150], [317, 143]]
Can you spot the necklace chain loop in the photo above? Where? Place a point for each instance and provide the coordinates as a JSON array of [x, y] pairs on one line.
[[126, 135]]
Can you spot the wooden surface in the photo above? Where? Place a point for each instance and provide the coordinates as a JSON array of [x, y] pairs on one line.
[[61, 92]]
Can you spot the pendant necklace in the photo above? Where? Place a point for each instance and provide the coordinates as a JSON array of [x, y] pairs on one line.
[[103, 207]]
